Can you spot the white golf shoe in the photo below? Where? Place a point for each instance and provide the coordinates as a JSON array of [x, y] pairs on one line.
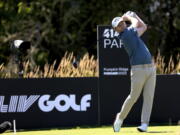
[[117, 124], [143, 127]]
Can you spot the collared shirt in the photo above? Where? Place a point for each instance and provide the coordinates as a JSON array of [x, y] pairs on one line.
[[135, 47]]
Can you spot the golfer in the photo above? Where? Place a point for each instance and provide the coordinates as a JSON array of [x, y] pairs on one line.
[[143, 71]]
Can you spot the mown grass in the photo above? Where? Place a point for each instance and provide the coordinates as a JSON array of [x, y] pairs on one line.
[[154, 130]]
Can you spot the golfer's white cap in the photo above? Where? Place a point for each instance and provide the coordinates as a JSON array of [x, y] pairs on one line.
[[116, 21]]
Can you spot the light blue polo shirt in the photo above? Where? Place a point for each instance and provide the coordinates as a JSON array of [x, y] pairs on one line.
[[135, 47]]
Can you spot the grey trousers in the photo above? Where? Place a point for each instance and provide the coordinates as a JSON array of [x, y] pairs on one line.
[[143, 78]]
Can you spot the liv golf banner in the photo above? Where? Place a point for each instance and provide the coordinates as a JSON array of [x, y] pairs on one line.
[[50, 102], [114, 70]]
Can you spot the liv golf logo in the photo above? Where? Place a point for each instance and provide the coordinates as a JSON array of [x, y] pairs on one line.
[[111, 40], [61, 103]]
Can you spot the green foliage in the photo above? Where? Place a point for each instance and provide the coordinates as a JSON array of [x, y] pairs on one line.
[[55, 27], [23, 8]]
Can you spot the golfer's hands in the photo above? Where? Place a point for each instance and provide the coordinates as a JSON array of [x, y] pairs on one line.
[[131, 13], [132, 20], [136, 22], [125, 17]]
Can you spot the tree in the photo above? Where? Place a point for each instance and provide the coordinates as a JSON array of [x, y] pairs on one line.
[[69, 25]]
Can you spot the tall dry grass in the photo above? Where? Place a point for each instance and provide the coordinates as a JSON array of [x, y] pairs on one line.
[[167, 68], [86, 67]]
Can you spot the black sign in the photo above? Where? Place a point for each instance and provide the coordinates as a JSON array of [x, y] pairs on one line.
[[167, 98], [61, 102], [44, 103], [113, 59]]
